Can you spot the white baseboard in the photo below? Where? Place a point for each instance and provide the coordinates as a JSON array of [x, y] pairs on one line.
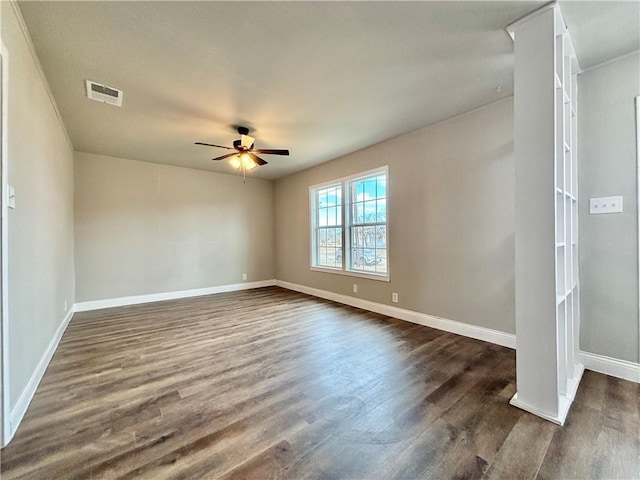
[[611, 366], [564, 401], [464, 329], [158, 297], [599, 363], [516, 402], [20, 408]]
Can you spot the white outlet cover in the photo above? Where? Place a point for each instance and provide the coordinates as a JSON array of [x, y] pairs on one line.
[[601, 205], [11, 196], [355, 288]]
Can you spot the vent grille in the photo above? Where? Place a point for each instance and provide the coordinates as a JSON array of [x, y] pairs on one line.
[[104, 93]]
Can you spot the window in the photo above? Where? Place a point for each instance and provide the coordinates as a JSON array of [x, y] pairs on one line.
[[328, 226], [351, 213]]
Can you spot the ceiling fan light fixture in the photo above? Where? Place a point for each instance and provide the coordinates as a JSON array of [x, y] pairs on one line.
[[247, 161], [243, 161], [235, 162]]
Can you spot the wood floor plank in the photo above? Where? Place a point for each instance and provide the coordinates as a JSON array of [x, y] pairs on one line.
[[524, 449], [270, 383]]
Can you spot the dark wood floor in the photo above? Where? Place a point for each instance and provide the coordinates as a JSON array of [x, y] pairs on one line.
[[269, 383]]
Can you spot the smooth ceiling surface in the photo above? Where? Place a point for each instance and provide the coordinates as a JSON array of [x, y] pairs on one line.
[[602, 30], [322, 79]]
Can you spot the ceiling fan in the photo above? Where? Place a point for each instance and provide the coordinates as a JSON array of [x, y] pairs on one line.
[[244, 155]]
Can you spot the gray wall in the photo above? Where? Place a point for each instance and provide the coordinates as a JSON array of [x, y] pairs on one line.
[[451, 220], [144, 228], [40, 229], [609, 243]]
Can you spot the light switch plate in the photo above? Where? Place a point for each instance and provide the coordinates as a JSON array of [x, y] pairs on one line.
[[605, 205]]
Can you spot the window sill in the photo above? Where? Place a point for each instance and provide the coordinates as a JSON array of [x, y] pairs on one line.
[[380, 277]]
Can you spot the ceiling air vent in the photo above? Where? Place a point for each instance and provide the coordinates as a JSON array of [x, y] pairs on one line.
[[103, 93]]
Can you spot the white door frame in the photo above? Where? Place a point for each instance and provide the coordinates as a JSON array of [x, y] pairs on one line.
[[637, 99], [6, 419]]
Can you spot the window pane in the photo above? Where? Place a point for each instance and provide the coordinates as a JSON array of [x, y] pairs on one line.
[[381, 236], [381, 187], [368, 202], [337, 195], [322, 217], [330, 237], [370, 188], [358, 212], [331, 216], [359, 188], [329, 247], [381, 210], [322, 198], [322, 237], [331, 197], [381, 267], [364, 237], [370, 211]]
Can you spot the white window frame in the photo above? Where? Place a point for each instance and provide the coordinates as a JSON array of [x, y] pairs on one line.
[[345, 183], [314, 220]]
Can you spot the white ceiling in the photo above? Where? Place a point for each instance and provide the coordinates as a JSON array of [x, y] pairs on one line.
[[322, 79]]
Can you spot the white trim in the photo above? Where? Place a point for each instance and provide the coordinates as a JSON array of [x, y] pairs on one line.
[[459, 328], [611, 366], [511, 28], [637, 101], [22, 404], [564, 401], [5, 433], [159, 297], [352, 273], [36, 60], [528, 408]]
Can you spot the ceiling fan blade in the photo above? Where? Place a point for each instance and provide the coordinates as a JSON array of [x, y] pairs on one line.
[[246, 141], [211, 145], [257, 159], [272, 152], [225, 156]]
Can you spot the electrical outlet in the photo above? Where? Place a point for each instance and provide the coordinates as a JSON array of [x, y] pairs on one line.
[[65, 305], [394, 297], [355, 288], [605, 205], [11, 196], [244, 276]]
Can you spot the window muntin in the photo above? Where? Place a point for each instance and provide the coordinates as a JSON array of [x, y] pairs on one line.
[[351, 213]]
